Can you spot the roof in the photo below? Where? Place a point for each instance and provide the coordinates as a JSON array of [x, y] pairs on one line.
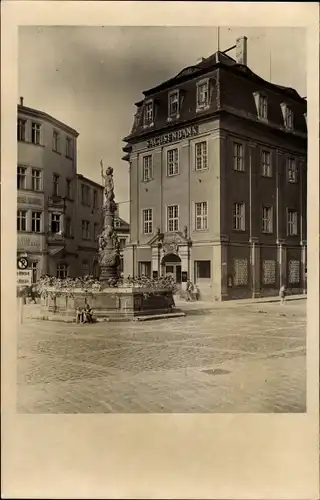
[[208, 64], [86, 179], [45, 116]]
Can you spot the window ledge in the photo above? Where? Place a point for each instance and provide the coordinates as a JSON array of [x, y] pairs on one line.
[[241, 170], [57, 152], [173, 117], [148, 125], [239, 230], [173, 175], [145, 181], [200, 170], [200, 230], [202, 108]]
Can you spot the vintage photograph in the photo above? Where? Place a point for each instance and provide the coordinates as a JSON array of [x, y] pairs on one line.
[[161, 219]]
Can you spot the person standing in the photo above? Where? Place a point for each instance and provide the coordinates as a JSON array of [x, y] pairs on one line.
[[282, 294], [189, 290]]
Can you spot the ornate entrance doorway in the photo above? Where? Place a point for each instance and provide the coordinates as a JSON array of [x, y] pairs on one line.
[[171, 266]]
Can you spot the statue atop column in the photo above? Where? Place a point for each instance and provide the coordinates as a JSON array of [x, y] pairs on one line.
[[109, 249]]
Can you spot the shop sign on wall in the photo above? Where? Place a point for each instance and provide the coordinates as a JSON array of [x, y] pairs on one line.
[[29, 242], [29, 200], [183, 133]]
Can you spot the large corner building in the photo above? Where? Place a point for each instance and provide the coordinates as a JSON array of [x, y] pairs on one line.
[[218, 180]]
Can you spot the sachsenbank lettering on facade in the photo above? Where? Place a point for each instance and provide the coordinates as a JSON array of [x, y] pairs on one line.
[[183, 133]]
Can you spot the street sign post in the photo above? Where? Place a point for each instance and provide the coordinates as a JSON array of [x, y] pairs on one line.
[[24, 278], [22, 263]]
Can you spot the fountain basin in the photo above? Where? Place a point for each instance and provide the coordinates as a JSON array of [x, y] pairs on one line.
[[110, 304]]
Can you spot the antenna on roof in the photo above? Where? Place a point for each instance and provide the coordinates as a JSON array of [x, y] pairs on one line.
[[218, 38], [270, 67]]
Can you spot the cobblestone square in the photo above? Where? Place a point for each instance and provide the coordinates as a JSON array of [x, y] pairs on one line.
[[248, 359]]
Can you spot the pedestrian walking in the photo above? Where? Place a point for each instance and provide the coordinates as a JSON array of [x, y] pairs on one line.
[[189, 291], [282, 294]]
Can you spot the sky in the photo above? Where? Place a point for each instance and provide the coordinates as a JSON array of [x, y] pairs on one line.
[[90, 77]]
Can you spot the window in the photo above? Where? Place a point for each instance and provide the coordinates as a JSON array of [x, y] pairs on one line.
[[269, 272], [148, 113], [240, 270], [85, 225], [289, 119], [55, 187], [294, 272], [95, 198], [21, 130], [56, 141], [68, 227], [201, 215], [36, 179], [147, 220], [173, 218], [85, 268], [22, 178], [36, 222], [261, 105], [35, 133], [201, 155], [292, 170], [85, 195], [21, 220], [292, 222], [95, 231], [287, 116], [117, 223], [239, 216], [147, 168], [145, 269], [202, 94], [34, 269], [267, 216], [62, 270], [55, 223], [172, 162], [68, 189], [266, 168], [202, 269], [69, 150], [238, 160], [174, 103], [122, 242]]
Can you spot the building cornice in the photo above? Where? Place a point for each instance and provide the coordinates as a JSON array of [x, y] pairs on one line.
[[35, 113]]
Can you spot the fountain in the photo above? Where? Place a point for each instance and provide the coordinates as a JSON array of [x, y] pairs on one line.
[[111, 298]]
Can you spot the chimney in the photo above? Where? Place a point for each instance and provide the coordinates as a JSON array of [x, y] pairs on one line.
[[241, 50], [21, 101]]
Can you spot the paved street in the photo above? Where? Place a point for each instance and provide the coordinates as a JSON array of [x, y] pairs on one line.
[[229, 359]]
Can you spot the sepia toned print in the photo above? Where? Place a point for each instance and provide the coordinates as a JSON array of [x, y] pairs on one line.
[[162, 250]]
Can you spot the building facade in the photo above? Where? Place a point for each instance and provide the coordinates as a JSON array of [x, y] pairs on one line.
[[218, 181], [46, 184], [59, 212]]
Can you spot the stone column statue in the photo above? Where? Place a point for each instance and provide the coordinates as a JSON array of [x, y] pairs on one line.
[[109, 249]]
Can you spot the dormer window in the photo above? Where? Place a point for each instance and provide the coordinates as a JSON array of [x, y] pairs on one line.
[[287, 116], [202, 94], [148, 113], [261, 101], [173, 110]]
